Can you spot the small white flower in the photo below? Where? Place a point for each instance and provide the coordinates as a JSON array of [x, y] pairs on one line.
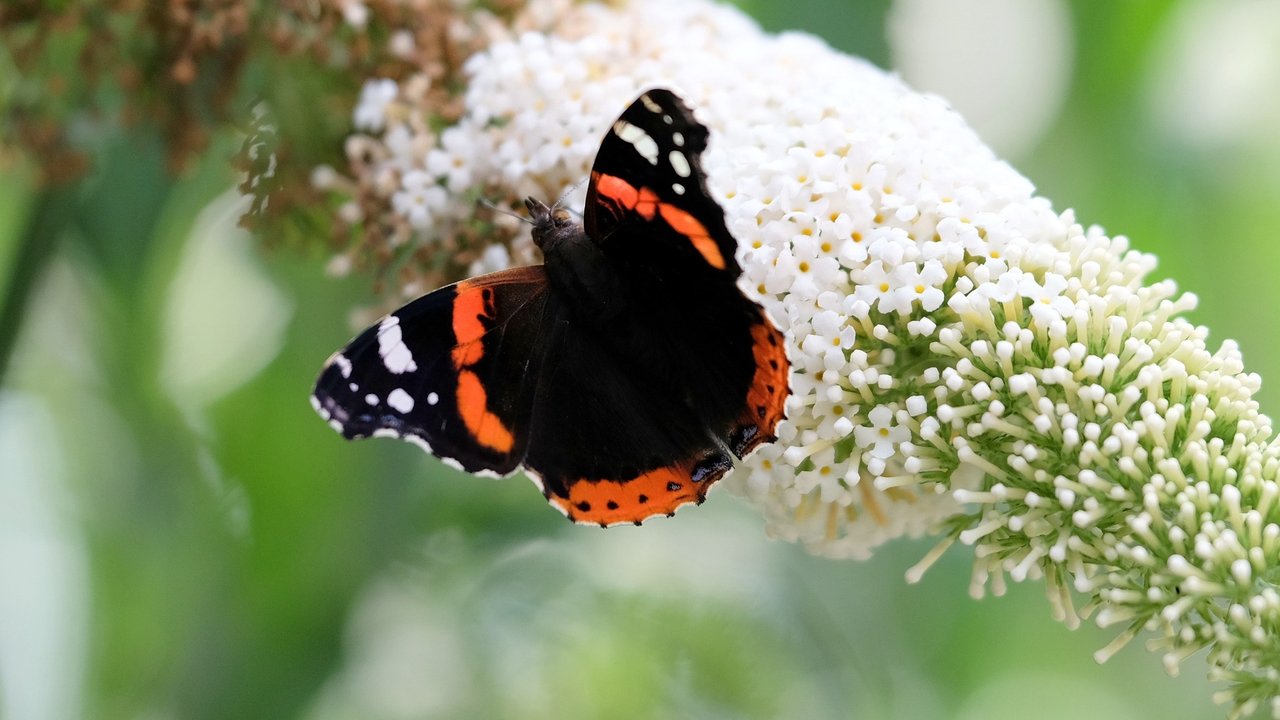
[[452, 160], [401, 44], [375, 97], [493, 259], [875, 286], [882, 437], [1047, 302], [323, 177], [408, 148], [916, 286], [355, 13], [419, 198], [824, 470]]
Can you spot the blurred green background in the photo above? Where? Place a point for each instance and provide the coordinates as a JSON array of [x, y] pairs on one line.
[[181, 537]]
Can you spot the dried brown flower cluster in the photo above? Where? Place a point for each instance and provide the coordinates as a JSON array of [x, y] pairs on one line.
[[284, 76], [420, 46], [173, 64], [383, 203]]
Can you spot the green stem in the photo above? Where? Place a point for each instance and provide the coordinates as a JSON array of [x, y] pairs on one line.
[[40, 234]]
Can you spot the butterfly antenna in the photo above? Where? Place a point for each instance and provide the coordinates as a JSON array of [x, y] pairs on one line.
[[504, 211], [565, 196]]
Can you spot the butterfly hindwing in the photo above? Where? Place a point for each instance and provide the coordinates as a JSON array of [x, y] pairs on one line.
[[603, 467], [446, 371], [609, 441]]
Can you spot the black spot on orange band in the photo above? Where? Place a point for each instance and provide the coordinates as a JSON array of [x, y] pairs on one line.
[[631, 500]]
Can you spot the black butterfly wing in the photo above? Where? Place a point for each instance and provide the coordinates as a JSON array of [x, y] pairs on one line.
[[618, 420], [609, 444], [640, 416], [452, 371], [648, 192], [649, 209]]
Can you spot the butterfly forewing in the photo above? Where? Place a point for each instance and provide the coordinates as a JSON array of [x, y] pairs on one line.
[[448, 370], [648, 192]]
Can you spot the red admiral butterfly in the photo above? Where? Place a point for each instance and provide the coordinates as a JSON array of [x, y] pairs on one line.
[[622, 374]]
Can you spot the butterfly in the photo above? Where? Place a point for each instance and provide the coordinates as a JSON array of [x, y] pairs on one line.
[[624, 374]]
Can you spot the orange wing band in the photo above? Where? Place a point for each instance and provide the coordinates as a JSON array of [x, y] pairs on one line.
[[645, 203], [688, 226], [630, 502], [767, 396], [471, 307], [481, 424]]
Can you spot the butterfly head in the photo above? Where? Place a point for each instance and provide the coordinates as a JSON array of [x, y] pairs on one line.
[[552, 226]]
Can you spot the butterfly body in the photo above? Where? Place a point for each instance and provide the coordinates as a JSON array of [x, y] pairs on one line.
[[624, 374]]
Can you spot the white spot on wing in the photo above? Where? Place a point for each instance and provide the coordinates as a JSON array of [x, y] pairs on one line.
[[650, 104], [344, 365], [432, 398], [635, 136], [371, 399], [678, 188], [679, 163], [678, 138], [354, 387], [395, 354], [400, 400], [647, 148]]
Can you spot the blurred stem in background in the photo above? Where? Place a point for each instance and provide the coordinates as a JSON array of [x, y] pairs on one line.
[[44, 222]]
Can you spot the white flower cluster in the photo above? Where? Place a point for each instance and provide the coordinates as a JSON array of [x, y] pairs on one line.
[[857, 202], [966, 360]]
